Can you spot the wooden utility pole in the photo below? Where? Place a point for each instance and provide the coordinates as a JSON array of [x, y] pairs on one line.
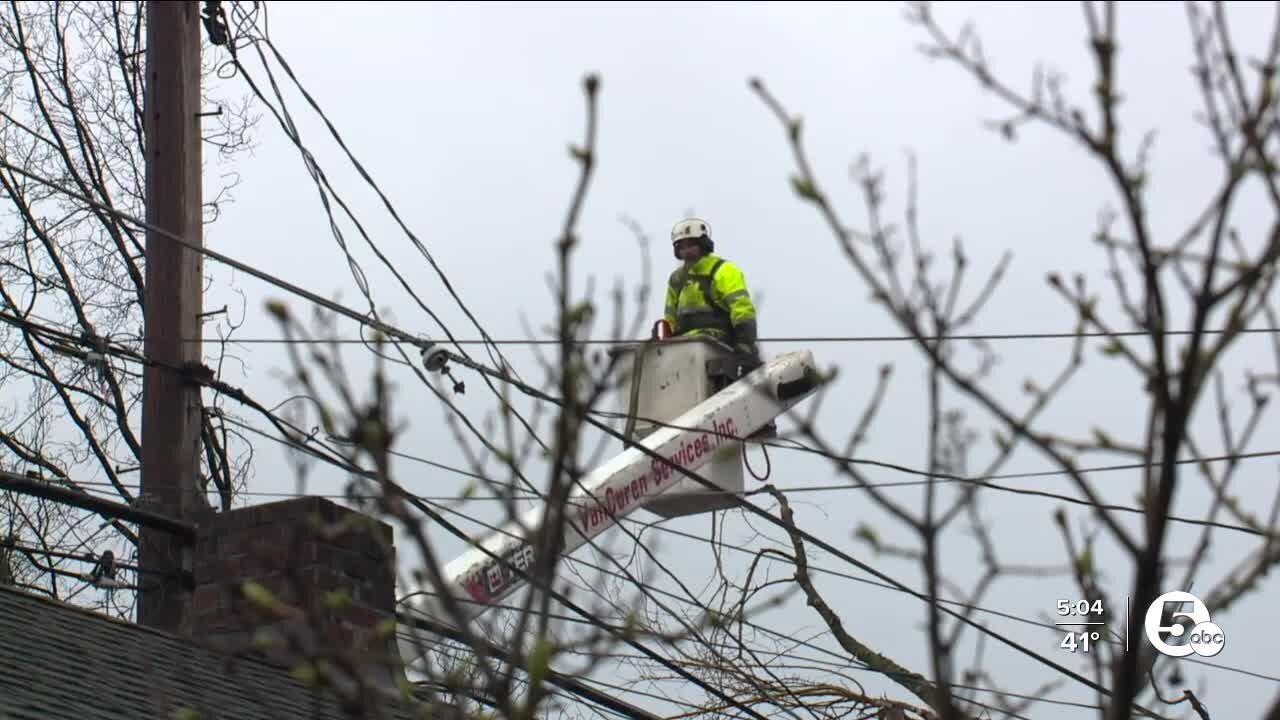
[[171, 406]]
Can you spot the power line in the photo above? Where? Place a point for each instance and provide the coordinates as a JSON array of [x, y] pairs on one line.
[[784, 339], [437, 502], [857, 664], [370, 180], [430, 463], [295, 137], [90, 502], [861, 664], [560, 597], [698, 493], [405, 337], [107, 509], [590, 618], [981, 481], [828, 571], [267, 277], [266, 39], [936, 477], [679, 533]]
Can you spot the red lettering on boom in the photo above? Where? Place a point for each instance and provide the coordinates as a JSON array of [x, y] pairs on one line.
[[617, 499]]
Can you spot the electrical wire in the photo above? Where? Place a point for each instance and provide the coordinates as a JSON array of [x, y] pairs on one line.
[[825, 570], [862, 666], [80, 557], [935, 477], [1043, 625], [806, 339]]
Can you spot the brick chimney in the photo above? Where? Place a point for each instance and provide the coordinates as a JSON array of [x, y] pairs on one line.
[[335, 564]]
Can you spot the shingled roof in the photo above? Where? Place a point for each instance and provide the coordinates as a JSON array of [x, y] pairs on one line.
[[62, 662]]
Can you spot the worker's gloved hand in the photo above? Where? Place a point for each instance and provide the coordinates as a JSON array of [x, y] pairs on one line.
[[748, 357], [745, 342]]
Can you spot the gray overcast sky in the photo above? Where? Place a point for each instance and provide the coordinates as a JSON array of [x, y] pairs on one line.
[[463, 114]]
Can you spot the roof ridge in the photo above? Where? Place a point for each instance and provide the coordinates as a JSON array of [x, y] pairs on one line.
[[226, 657], [130, 626]]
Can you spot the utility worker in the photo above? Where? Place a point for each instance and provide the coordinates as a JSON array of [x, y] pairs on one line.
[[707, 295]]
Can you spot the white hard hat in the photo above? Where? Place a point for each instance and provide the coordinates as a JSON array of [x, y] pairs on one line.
[[690, 229]]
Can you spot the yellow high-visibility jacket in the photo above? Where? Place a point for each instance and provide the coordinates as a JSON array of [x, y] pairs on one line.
[[710, 297]]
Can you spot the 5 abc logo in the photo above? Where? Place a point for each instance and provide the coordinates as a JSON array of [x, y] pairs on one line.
[[1206, 639]]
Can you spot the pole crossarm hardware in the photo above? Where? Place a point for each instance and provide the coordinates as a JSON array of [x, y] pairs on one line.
[[109, 510], [40, 487]]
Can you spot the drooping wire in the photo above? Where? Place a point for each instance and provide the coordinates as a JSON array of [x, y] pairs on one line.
[[768, 466]]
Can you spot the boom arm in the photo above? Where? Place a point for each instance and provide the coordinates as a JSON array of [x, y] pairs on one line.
[[625, 483]]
